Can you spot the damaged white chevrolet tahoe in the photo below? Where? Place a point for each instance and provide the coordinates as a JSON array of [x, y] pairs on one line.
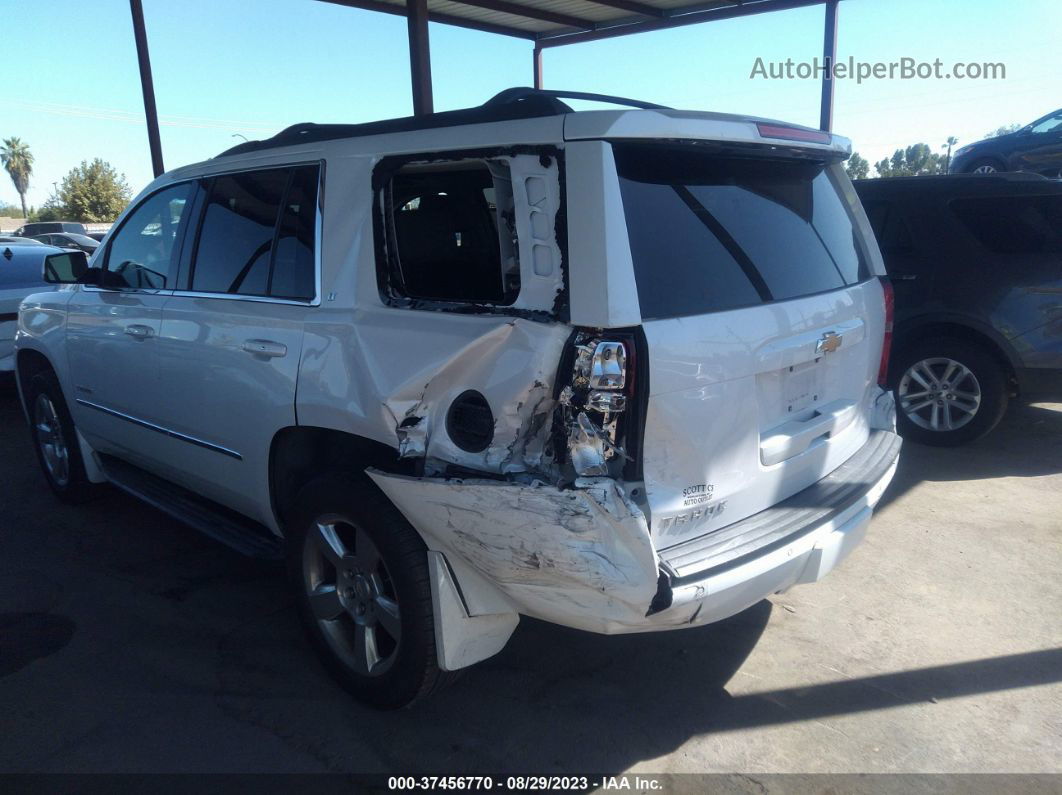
[[618, 370]]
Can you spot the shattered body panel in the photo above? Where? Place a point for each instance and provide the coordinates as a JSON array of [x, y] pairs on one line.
[[579, 557]]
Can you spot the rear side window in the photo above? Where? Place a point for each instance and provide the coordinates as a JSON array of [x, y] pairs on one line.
[[257, 233], [451, 234], [889, 227], [1013, 224], [710, 233]]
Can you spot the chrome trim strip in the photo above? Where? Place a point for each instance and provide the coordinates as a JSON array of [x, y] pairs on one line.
[[158, 428]]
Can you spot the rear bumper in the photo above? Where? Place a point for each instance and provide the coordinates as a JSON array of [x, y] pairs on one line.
[[797, 541]]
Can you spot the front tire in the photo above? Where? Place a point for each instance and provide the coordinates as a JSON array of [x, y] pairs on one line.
[[360, 574], [948, 392], [985, 165], [55, 440]]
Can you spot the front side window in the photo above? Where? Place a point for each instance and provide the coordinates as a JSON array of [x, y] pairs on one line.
[[711, 232], [256, 237], [142, 253], [451, 234]]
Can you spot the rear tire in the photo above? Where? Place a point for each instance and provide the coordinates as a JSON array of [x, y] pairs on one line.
[[55, 440], [948, 392], [360, 574]]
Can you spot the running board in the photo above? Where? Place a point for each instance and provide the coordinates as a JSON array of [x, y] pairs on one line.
[[244, 535]]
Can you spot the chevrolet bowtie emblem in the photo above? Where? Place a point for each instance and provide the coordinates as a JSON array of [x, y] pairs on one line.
[[830, 342]]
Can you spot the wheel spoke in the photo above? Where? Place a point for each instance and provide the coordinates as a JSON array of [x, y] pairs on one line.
[[329, 542], [934, 419], [365, 654], [973, 397], [965, 408], [388, 616], [946, 411], [324, 602], [910, 408], [917, 376], [365, 551]]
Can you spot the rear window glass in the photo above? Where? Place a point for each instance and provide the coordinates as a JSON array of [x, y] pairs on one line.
[[710, 232], [1014, 224]]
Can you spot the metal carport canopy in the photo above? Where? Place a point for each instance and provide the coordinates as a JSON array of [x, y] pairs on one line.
[[546, 23]]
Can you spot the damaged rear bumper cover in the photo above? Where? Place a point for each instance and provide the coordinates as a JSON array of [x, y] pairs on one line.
[[585, 557]]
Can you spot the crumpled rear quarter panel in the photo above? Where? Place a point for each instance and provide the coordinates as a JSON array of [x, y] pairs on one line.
[[579, 557]]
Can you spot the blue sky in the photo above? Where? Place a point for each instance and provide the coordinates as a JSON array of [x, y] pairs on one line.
[[71, 88]]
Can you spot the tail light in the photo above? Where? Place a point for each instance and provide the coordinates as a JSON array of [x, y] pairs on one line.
[[596, 401], [886, 343]]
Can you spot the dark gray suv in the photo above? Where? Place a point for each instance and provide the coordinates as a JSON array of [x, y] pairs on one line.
[[976, 264]]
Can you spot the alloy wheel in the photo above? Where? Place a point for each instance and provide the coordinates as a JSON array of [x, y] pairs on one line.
[[939, 394], [987, 168], [352, 595], [50, 439]]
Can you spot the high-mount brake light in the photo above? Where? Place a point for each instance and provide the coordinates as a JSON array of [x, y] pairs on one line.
[[793, 133], [886, 343]]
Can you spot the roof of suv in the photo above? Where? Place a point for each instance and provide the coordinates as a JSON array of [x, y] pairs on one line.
[[527, 103]]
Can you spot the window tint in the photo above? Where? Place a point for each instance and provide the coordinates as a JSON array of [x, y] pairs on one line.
[[236, 235], [1014, 224], [710, 233], [257, 234], [890, 227], [452, 234], [293, 268], [141, 253]]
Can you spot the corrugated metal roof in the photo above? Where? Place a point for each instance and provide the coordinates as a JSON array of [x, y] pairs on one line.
[[554, 22]]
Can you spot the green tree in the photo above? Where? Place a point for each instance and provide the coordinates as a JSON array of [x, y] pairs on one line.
[[93, 192], [916, 160], [1006, 129], [18, 160], [857, 166]]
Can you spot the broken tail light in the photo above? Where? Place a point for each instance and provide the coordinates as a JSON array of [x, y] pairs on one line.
[[596, 399]]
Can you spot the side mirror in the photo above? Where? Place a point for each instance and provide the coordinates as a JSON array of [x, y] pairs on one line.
[[68, 267]]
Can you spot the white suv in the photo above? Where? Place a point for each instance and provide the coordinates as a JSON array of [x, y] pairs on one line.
[[618, 370]]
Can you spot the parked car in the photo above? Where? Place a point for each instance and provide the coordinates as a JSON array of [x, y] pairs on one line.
[[97, 236], [618, 370], [977, 268], [1036, 147], [21, 268], [69, 240], [47, 227], [20, 241]]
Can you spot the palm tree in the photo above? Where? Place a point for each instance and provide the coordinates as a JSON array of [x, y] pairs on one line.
[[952, 140], [18, 160]]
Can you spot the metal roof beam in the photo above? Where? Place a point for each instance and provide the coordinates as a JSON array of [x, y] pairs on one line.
[[433, 16], [633, 7], [678, 17], [529, 12]]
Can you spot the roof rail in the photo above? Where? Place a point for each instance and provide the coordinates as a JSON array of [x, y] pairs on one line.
[[509, 105], [519, 94]]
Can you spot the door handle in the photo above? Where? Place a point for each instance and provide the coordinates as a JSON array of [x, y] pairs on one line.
[[902, 277], [266, 348], [138, 331]]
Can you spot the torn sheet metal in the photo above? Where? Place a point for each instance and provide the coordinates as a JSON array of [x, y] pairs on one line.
[[536, 197], [581, 557], [512, 362]]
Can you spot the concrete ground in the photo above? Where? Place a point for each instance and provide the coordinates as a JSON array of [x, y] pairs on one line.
[[128, 643]]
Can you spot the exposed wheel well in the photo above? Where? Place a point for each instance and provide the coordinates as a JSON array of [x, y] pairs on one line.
[[28, 363], [299, 454], [906, 338]]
